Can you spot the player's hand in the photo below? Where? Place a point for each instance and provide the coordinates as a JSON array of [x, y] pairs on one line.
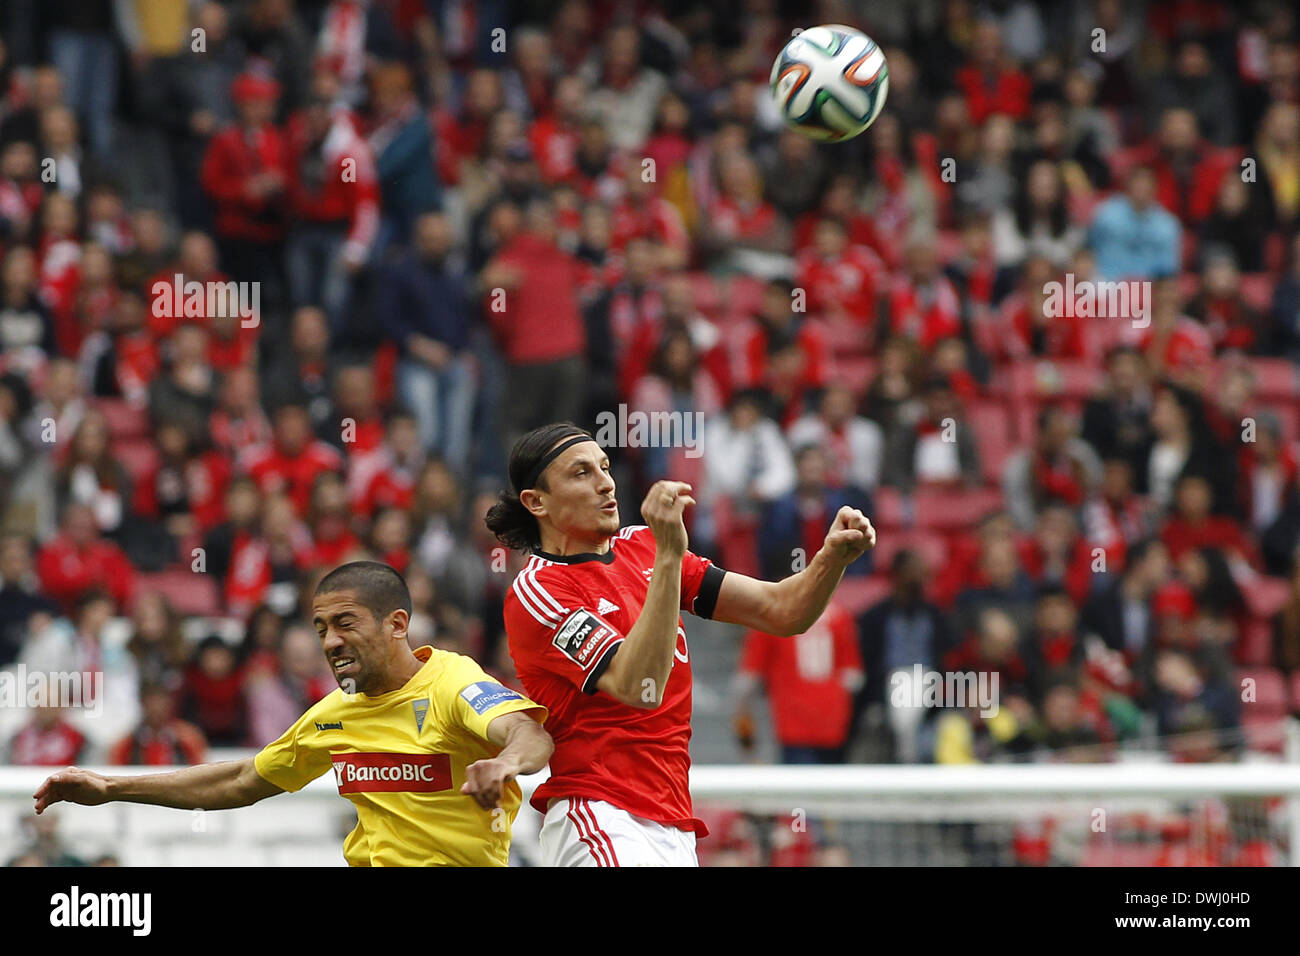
[[486, 780], [662, 509], [851, 536], [73, 785]]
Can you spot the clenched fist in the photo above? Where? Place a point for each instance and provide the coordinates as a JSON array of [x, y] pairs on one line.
[[850, 537]]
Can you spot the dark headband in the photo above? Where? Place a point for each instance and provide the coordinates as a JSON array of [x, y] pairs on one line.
[[549, 457]]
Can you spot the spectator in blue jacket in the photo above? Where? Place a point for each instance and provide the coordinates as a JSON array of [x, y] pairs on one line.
[[402, 142], [421, 301], [790, 521], [1134, 237]]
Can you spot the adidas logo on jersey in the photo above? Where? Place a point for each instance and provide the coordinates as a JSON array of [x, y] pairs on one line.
[[606, 606]]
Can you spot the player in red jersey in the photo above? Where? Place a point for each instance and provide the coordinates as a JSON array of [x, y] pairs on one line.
[[594, 627]]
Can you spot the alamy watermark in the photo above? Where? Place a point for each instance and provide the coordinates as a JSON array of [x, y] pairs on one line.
[[1086, 299], [918, 688], [178, 299], [638, 429], [80, 690]]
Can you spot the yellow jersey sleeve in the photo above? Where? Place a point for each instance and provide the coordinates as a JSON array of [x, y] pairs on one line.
[[479, 699], [292, 762]]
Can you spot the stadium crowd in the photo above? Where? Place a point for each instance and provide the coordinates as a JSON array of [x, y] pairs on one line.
[[460, 220]]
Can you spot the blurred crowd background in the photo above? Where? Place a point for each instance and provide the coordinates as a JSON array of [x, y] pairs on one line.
[[466, 218]]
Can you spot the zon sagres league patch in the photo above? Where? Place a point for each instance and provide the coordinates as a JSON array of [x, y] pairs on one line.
[[583, 638]]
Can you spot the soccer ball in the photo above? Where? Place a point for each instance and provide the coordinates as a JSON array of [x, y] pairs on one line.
[[829, 82]]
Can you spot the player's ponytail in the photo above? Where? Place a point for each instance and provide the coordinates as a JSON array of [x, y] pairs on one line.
[[513, 524], [508, 519]]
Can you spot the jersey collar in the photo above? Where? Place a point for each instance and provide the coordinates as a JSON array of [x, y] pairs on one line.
[[606, 558]]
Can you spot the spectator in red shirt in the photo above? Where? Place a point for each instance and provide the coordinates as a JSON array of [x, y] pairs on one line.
[[291, 461], [161, 740], [461, 132], [238, 421], [1059, 466], [334, 199], [330, 522], [1192, 526], [212, 695], [741, 226], [385, 477], [643, 213], [843, 282], [810, 680], [1026, 326], [923, 304], [991, 82], [533, 310], [1188, 169], [555, 135], [784, 353], [47, 740], [77, 561], [246, 175], [1232, 323]]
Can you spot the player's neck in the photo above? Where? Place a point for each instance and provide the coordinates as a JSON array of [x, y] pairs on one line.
[[565, 545], [398, 676]]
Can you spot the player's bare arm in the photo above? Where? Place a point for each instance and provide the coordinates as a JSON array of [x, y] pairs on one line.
[[212, 786], [525, 748], [647, 651], [792, 605]]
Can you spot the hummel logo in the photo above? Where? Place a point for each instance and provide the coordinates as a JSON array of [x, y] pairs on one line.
[[605, 607], [334, 726]]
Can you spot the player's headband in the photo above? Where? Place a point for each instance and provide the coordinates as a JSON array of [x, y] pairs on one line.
[[549, 457]]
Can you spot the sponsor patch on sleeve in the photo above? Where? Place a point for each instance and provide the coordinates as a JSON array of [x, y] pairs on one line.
[[583, 638], [484, 695]]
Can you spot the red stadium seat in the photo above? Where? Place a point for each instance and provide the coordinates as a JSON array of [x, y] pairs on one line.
[[1275, 379], [992, 436], [1264, 595], [951, 509], [1255, 646], [1271, 696], [889, 509], [857, 594], [189, 592], [124, 420]]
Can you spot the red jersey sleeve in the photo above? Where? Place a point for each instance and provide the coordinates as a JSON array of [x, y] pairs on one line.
[[556, 632]]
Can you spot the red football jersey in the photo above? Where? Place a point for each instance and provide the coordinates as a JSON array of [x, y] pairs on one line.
[[565, 618]]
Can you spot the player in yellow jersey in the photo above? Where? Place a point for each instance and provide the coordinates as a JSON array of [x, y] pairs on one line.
[[424, 743]]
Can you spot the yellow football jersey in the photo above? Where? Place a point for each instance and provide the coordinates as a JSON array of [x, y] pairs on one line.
[[400, 758]]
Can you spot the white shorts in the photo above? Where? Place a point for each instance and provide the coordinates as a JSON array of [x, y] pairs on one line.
[[583, 832]]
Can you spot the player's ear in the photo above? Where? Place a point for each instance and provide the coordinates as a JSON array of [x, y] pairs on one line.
[[532, 500], [399, 621]]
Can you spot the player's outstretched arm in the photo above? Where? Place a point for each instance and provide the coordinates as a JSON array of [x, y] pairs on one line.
[[209, 786], [792, 605], [638, 673], [525, 748]]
